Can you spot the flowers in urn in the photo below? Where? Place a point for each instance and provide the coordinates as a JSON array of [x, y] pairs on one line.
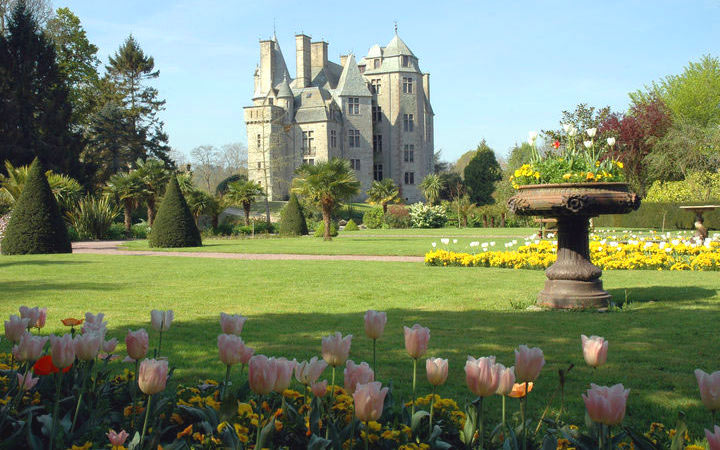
[[574, 158]]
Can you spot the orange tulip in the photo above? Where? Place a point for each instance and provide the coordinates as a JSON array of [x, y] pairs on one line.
[[71, 322], [518, 390]]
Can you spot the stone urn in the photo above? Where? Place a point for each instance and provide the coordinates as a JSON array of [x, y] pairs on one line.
[[573, 281]]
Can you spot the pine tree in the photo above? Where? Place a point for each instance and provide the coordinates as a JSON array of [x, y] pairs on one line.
[[292, 219], [174, 225], [481, 174], [36, 225], [35, 112]]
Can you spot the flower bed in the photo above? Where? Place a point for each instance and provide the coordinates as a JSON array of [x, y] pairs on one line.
[[634, 254], [77, 393]]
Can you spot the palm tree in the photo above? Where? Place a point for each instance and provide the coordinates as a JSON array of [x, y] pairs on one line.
[[326, 184], [155, 176], [431, 187], [128, 189], [67, 190], [200, 202], [243, 193], [382, 193]]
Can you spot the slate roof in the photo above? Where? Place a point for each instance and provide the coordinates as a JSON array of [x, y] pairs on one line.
[[397, 47], [351, 81], [283, 90], [310, 103]]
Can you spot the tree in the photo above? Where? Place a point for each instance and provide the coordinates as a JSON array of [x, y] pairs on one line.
[[36, 225], [382, 193], [431, 187], [700, 152], [109, 136], [464, 208], [233, 158], [292, 219], [41, 11], [175, 225], [222, 186], [154, 176], [130, 69], [202, 203], [326, 184], [243, 194], [481, 174], [452, 182], [35, 113], [206, 161], [693, 96], [128, 190], [67, 190], [519, 155]]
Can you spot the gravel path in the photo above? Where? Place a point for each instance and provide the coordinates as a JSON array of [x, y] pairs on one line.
[[111, 248]]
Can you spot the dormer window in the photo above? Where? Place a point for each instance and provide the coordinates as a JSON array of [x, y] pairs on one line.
[[270, 101], [405, 61], [376, 63]]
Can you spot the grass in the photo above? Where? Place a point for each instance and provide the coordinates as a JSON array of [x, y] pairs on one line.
[[656, 342]]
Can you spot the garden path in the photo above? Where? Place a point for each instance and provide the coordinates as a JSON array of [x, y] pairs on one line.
[[111, 248]]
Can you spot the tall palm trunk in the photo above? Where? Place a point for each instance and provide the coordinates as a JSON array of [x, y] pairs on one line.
[[384, 206], [151, 211], [246, 208], [326, 220], [127, 206]]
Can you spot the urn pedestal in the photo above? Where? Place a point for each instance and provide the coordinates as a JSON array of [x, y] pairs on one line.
[[573, 281]]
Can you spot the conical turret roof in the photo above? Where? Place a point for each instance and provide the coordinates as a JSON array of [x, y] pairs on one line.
[[397, 47], [351, 81], [284, 89]]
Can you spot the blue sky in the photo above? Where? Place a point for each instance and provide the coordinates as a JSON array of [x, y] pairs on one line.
[[498, 69]]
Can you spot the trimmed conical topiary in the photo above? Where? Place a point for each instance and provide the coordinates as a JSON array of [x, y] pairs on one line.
[[36, 225], [174, 224], [292, 219]]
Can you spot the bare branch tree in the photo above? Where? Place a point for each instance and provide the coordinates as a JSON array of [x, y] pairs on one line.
[[42, 10], [205, 159]]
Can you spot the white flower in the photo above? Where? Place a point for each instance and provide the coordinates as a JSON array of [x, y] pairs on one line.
[[573, 131], [532, 137], [474, 244], [484, 245], [445, 241], [492, 244], [611, 141], [566, 127], [434, 244], [591, 132], [454, 241], [588, 144]]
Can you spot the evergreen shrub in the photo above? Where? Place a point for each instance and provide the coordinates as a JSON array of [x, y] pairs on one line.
[[320, 230], [351, 226], [374, 218], [292, 219], [174, 225]]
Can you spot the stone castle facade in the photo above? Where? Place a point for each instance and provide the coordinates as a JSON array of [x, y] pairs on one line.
[[374, 112]]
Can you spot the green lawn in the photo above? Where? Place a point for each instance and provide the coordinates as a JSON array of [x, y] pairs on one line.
[[669, 329]]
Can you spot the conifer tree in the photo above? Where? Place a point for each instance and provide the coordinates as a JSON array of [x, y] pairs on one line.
[[174, 224], [292, 219], [36, 225]]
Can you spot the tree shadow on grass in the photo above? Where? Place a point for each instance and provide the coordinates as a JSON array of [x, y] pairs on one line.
[[21, 288], [661, 294], [41, 262]]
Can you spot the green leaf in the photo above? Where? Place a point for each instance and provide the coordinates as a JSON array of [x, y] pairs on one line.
[[266, 434], [318, 443], [417, 419], [678, 441]]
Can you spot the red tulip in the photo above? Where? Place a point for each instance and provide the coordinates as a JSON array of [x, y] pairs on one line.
[[606, 405], [152, 376], [556, 144], [44, 366], [369, 401], [357, 374], [416, 340]]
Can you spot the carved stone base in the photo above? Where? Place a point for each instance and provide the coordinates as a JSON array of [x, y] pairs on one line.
[[572, 294]]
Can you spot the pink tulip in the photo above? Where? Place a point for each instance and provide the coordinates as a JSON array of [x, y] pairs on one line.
[[319, 388], [507, 380], [437, 370], [606, 405], [137, 344], [713, 438], [528, 363], [231, 348], [109, 346], [232, 323], [375, 324], [595, 350], [62, 351], [307, 372], [15, 327], [26, 382], [35, 315], [87, 346], [482, 375], [357, 374], [161, 320], [117, 439], [94, 324], [30, 347], [262, 374], [335, 349], [369, 401], [284, 369], [416, 340], [153, 376], [709, 385]]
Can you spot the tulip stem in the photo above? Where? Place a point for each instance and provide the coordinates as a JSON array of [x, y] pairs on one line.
[[367, 435], [332, 391], [479, 421], [259, 425], [225, 384], [504, 397], [134, 393], [80, 397], [523, 408], [56, 407], [147, 414], [374, 361], [414, 382], [160, 342], [432, 404]]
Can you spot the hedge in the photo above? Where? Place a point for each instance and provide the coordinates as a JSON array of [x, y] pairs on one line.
[[650, 215]]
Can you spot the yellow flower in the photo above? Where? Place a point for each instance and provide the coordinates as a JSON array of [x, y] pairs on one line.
[[620, 165], [186, 432], [86, 446], [374, 426], [198, 436], [537, 175], [590, 176], [567, 176], [278, 425], [244, 409]]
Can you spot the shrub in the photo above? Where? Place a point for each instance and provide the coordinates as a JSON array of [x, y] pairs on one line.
[[398, 216], [256, 227], [351, 226], [653, 215], [36, 225], [292, 219], [140, 230], [320, 230], [426, 216], [174, 225], [374, 218], [92, 217]]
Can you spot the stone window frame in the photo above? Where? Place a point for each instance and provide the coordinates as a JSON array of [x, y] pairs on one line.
[[333, 138], [408, 85], [355, 164], [409, 153], [309, 161], [409, 123], [409, 178], [376, 63], [353, 138], [376, 85], [353, 106], [405, 61], [377, 144], [307, 143], [376, 113], [377, 172]]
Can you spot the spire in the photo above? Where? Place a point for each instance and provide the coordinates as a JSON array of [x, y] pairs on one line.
[[396, 28], [351, 81], [284, 88]]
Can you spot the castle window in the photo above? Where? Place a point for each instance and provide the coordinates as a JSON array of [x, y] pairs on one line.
[[376, 114], [409, 177], [353, 105], [270, 101], [259, 141], [377, 143], [405, 61], [376, 63], [333, 138], [377, 172], [362, 68], [354, 138], [259, 164], [409, 153], [408, 122], [308, 141], [375, 85], [355, 164], [407, 85], [309, 161]]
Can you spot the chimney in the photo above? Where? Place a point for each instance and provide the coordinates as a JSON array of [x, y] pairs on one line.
[[319, 55], [343, 59], [302, 60], [426, 85], [266, 66]]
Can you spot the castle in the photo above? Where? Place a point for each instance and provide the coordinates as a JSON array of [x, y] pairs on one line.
[[374, 112]]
